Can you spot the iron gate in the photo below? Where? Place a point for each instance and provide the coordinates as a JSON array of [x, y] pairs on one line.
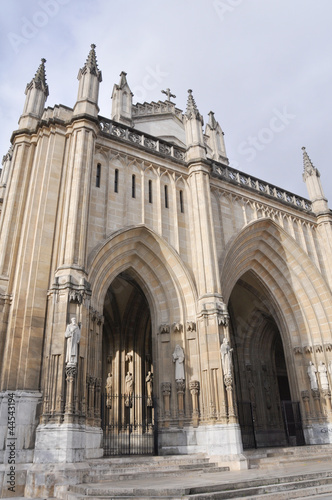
[[129, 425]]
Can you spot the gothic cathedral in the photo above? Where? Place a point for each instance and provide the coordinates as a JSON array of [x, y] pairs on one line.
[[152, 298]]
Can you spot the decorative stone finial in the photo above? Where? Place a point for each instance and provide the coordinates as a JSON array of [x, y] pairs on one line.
[[192, 110], [91, 63], [212, 121], [308, 167], [39, 80]]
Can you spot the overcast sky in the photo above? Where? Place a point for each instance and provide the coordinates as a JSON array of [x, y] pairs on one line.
[[263, 66]]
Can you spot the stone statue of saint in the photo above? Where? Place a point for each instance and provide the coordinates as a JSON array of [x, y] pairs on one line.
[[226, 358], [129, 384], [108, 388], [129, 389], [149, 388], [73, 336], [178, 359], [312, 371], [322, 370]]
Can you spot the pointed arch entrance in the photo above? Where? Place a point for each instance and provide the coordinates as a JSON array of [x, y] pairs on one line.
[[267, 414], [143, 291], [128, 406]]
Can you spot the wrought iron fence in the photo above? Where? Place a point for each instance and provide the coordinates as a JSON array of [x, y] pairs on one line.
[[129, 425]]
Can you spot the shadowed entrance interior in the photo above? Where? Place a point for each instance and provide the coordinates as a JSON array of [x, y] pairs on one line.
[[262, 382], [128, 410]]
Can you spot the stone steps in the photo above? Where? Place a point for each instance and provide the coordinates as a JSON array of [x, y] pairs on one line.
[[270, 458], [104, 473], [285, 488]]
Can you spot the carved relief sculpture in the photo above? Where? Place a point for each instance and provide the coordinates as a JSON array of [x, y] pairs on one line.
[[73, 336], [312, 374], [178, 359]]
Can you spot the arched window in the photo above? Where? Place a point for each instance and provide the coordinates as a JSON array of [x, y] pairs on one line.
[[181, 202], [133, 186], [116, 180], [150, 191], [166, 196], [98, 173]]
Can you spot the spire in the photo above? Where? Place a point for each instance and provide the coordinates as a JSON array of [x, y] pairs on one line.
[[308, 167], [192, 110], [122, 101], [214, 138], [39, 80], [91, 63], [88, 90], [193, 122], [36, 94], [123, 80], [212, 121], [311, 177]]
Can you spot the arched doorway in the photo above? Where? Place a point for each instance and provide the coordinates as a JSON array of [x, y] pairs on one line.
[[128, 416], [267, 414]]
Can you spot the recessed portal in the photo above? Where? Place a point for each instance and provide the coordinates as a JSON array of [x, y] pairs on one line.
[[128, 403], [262, 384]]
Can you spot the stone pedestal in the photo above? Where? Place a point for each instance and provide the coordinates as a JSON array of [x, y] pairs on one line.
[[217, 439], [318, 434], [19, 411], [67, 443]]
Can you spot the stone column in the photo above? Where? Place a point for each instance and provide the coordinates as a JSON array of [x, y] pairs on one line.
[[316, 396], [71, 371], [91, 398], [327, 396], [228, 381], [194, 391], [166, 392], [180, 388], [305, 397]]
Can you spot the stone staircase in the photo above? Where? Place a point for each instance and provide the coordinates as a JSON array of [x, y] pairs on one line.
[[105, 473], [269, 458], [276, 473]]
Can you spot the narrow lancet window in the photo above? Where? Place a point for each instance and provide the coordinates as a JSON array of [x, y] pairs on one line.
[[98, 173], [116, 180], [166, 196], [181, 202], [150, 191], [133, 186]]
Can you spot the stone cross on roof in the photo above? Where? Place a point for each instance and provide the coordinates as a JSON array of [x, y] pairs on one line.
[[168, 93]]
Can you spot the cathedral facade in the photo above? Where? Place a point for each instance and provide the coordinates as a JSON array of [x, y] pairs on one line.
[[149, 290]]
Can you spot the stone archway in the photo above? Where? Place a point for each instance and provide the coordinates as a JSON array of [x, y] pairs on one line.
[[128, 406], [156, 299], [259, 363], [294, 298]]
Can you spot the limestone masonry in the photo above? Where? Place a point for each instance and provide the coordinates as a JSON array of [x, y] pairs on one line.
[[152, 298]]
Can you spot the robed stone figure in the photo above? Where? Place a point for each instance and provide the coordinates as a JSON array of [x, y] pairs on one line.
[[226, 358], [73, 336], [178, 359]]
